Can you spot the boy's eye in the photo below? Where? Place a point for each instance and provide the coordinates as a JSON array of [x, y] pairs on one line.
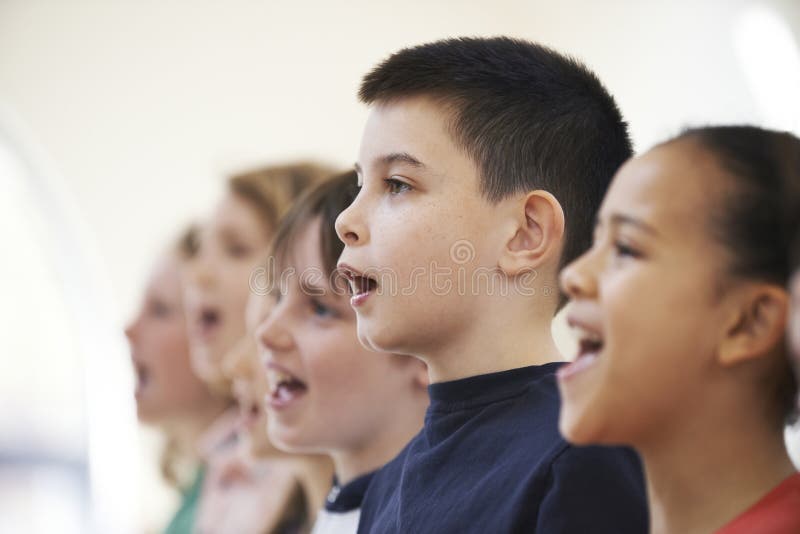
[[396, 186]]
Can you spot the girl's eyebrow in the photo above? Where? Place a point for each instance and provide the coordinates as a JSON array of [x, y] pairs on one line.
[[621, 219]]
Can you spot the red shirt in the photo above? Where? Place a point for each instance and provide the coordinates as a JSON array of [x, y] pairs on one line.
[[778, 512]]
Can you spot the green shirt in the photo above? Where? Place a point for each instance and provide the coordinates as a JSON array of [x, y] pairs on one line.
[[183, 520]]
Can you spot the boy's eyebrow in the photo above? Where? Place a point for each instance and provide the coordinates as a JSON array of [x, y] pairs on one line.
[[402, 157], [620, 219], [394, 157]]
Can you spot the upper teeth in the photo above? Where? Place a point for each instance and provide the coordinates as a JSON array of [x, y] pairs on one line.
[[275, 378], [587, 335]]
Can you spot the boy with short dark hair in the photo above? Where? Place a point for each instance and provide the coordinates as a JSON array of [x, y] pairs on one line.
[[482, 165]]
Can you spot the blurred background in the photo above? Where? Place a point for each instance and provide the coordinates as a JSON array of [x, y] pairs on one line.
[[120, 119]]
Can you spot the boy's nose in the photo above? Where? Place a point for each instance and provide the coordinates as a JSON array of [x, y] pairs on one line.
[[349, 227]]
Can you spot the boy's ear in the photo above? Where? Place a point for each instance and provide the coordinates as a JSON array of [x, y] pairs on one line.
[[757, 325], [539, 234]]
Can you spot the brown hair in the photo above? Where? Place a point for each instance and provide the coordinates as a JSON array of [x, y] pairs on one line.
[[326, 201], [272, 189], [188, 243]]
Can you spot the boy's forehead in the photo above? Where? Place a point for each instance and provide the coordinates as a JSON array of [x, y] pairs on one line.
[[416, 128]]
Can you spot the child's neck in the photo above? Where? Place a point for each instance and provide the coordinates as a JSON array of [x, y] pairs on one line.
[[499, 341], [384, 443], [187, 432], [314, 473], [701, 476]]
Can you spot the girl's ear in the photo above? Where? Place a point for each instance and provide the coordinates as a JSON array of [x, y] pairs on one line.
[[756, 326], [539, 234]]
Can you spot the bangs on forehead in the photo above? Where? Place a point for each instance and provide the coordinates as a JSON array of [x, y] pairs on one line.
[[326, 202], [281, 256]]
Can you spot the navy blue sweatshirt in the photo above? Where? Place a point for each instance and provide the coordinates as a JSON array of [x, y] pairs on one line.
[[490, 459]]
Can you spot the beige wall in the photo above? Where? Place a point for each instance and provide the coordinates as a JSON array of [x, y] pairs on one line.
[[142, 106]]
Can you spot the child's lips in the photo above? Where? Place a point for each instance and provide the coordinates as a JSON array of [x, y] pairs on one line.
[[590, 345], [207, 322], [361, 285], [284, 387], [581, 363], [142, 377]]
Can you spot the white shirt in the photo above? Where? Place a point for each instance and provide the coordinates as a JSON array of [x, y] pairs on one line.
[[337, 522]]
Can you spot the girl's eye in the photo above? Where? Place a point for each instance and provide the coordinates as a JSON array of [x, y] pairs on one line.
[[236, 250], [320, 309], [159, 309], [622, 250], [275, 295], [396, 186]]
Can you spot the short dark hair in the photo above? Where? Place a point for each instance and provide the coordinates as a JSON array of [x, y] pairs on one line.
[[529, 117], [795, 257], [327, 200], [759, 215]]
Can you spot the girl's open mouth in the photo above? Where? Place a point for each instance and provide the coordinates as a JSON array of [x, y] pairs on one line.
[[590, 344], [284, 388]]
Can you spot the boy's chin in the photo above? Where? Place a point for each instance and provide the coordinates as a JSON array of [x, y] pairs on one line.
[[374, 338]]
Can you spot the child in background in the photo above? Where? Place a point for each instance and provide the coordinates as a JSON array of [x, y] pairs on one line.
[[327, 393], [681, 306], [287, 512], [168, 394], [481, 166], [217, 290]]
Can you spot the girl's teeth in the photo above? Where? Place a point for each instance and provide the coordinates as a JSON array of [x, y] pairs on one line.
[[588, 336], [276, 378]]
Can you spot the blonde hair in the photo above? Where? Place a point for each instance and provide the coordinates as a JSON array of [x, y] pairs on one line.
[[271, 190]]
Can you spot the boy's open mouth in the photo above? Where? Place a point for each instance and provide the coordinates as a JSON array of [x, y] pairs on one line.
[[284, 388], [361, 285], [590, 344]]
